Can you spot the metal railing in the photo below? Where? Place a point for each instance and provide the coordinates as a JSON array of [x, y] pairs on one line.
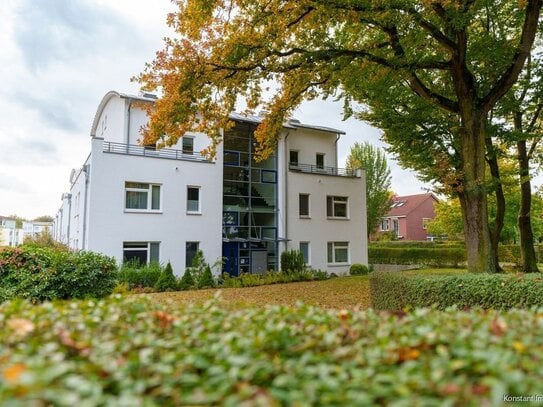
[[316, 169], [167, 153]]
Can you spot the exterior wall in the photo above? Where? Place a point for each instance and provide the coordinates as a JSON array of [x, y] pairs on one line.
[[310, 142], [318, 230], [109, 224], [111, 122], [11, 236], [415, 219]]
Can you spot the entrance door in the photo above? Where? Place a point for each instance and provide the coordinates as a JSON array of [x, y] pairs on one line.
[[230, 252], [259, 261]]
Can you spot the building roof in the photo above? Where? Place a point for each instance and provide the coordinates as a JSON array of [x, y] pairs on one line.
[[150, 98], [404, 205]]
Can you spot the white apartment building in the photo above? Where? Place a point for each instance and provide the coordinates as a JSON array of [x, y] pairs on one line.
[[10, 235], [137, 202]]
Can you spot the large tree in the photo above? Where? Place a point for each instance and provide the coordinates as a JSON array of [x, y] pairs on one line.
[[443, 50], [378, 195]]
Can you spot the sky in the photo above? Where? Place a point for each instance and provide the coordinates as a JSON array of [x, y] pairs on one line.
[[59, 58]]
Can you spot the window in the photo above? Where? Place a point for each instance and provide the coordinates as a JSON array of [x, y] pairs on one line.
[[336, 206], [188, 145], [141, 196], [191, 248], [396, 226], [304, 205], [384, 225], [425, 222], [320, 161], [338, 252], [141, 252], [304, 249], [293, 160], [193, 199]]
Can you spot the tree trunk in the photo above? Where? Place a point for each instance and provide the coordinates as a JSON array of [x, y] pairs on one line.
[[472, 195], [496, 230], [527, 251]]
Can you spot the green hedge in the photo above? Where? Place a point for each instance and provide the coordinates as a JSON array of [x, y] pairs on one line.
[[272, 277], [432, 256], [133, 353], [400, 290], [41, 274]]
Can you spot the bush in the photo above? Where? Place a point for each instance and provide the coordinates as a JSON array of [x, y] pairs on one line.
[[206, 279], [139, 276], [81, 353], [400, 290], [187, 282], [358, 269], [40, 274], [438, 256], [167, 281], [292, 261], [272, 277]]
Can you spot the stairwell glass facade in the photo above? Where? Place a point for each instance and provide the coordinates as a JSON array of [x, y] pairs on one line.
[[250, 241]]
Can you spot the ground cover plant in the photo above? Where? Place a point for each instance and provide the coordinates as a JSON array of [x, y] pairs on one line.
[[133, 352]]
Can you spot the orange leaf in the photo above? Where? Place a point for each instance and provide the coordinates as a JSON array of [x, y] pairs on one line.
[[12, 373]]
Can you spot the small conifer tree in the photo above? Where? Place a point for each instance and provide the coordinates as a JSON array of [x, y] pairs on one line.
[[187, 282], [206, 279], [167, 280]]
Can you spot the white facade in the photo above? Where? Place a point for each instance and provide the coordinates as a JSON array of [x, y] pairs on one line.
[[130, 201]]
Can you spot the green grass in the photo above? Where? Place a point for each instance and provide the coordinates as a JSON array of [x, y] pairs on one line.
[[341, 292]]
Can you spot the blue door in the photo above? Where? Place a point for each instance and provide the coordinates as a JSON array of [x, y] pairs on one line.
[[230, 252]]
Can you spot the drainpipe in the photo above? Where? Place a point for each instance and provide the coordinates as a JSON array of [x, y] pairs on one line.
[[286, 188], [69, 196], [335, 147], [86, 168], [128, 124]]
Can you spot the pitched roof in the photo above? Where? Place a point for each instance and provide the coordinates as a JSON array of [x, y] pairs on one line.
[[403, 205]]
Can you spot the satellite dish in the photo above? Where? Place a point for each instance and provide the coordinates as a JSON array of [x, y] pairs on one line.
[[72, 176]]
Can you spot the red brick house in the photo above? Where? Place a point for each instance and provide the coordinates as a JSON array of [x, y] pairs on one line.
[[408, 216]]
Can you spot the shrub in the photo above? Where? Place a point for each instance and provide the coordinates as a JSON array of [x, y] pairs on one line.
[[45, 239], [139, 276], [272, 277], [438, 256], [167, 281], [292, 261], [81, 353], [358, 269], [206, 279], [40, 274], [187, 282], [398, 290]]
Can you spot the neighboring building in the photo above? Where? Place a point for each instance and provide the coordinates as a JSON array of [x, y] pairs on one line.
[[33, 229], [408, 216], [137, 202], [9, 234]]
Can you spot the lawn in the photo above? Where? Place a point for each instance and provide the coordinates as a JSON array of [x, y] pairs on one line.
[[341, 292]]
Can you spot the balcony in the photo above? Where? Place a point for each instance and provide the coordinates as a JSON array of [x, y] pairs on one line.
[[321, 170], [141, 151]]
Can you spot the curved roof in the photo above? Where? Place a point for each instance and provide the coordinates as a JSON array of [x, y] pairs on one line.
[[108, 96]]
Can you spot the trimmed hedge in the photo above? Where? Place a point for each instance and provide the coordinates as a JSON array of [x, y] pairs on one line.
[[82, 354], [431, 256], [41, 274], [272, 277], [400, 290]]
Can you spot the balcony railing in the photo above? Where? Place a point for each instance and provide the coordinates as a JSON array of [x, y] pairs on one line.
[[321, 170], [167, 153]]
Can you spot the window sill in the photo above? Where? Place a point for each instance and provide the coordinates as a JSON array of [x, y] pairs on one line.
[[338, 264], [337, 218], [194, 213], [305, 217], [142, 211]]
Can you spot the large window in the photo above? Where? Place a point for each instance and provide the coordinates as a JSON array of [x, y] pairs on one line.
[[141, 252], [304, 249], [188, 145], [336, 206], [191, 248], [193, 199], [338, 252], [304, 205], [142, 196]]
